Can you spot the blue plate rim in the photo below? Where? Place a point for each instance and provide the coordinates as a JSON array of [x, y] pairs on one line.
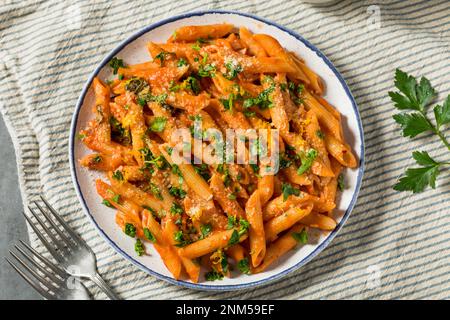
[[199, 286]]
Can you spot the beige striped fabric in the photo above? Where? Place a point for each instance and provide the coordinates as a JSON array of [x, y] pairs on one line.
[[394, 245]]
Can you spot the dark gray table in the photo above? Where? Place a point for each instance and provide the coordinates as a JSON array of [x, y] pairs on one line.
[[12, 223]]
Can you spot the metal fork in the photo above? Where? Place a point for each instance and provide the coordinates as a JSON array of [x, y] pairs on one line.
[[66, 246], [49, 281]]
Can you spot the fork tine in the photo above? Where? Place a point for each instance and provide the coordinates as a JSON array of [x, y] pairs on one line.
[[31, 282], [64, 224], [44, 260], [47, 230], [49, 247], [40, 267], [57, 229]]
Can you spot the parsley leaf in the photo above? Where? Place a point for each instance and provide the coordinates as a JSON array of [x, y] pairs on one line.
[[412, 124], [340, 182], [115, 64], [417, 179], [288, 190], [301, 236], [412, 96], [244, 266], [139, 247], [177, 192], [118, 175], [213, 275], [442, 113], [149, 235], [416, 96], [158, 124], [307, 161], [107, 203], [234, 238], [205, 230], [130, 230]]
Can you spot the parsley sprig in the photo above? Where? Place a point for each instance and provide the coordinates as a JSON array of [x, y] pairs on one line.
[[413, 98]]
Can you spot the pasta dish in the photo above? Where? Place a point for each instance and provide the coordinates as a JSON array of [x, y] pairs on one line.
[[176, 183]]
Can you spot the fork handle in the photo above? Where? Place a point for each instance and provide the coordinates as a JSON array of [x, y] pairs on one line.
[[98, 280]]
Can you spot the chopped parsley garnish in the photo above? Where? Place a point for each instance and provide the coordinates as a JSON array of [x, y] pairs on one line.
[[301, 237], [182, 62], [118, 132], [130, 230], [195, 46], [232, 196], [288, 190], [206, 71], [320, 134], [203, 171], [97, 159], [156, 191], [307, 160], [177, 192], [176, 209], [228, 103], [213, 275], [107, 203], [116, 198], [149, 235], [115, 64], [263, 100], [205, 229], [340, 182], [180, 239], [233, 69], [231, 222], [158, 124], [162, 56], [139, 247], [244, 266], [137, 85], [234, 238], [193, 84], [118, 175]]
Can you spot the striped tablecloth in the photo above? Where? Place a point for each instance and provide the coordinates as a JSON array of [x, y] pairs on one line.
[[394, 245]]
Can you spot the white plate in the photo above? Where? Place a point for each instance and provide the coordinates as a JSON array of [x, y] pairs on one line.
[[133, 50]]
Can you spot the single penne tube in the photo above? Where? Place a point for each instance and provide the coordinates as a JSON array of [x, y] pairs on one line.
[[274, 49], [193, 33], [278, 205], [319, 221], [192, 178], [257, 238], [326, 119], [284, 221], [217, 240], [340, 151], [221, 195], [252, 45], [137, 195], [278, 248], [191, 104], [130, 209], [292, 175], [138, 129], [315, 82], [101, 109], [265, 188], [101, 162], [236, 252], [169, 228], [162, 245], [315, 137]]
